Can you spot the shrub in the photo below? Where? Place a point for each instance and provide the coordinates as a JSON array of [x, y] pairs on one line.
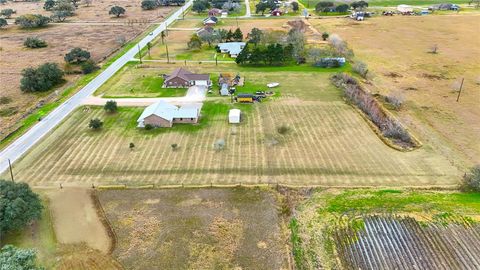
[[131, 146], [42, 78], [149, 4], [325, 36], [117, 11], [3, 22], [77, 55], [48, 5], [396, 99], [360, 68], [32, 21], [19, 206], [283, 129], [219, 144], [110, 106], [174, 146], [7, 13], [95, 124], [16, 258], [340, 47], [390, 127], [34, 42], [471, 180], [295, 6], [328, 63], [88, 66], [148, 127]]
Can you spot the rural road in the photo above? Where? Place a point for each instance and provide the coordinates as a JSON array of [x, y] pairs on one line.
[[248, 13], [20, 146]]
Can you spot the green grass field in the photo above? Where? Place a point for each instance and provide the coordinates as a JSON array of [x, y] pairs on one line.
[[128, 82]]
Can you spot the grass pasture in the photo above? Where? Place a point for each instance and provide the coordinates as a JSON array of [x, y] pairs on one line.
[[232, 228], [328, 144]]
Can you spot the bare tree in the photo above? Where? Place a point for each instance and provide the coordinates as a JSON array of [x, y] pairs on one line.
[[433, 49], [396, 98]]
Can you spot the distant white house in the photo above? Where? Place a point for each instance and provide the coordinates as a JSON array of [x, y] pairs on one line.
[[163, 114], [234, 116], [404, 8], [231, 48]]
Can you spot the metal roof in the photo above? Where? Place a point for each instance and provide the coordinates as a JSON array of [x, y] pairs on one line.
[[168, 111]]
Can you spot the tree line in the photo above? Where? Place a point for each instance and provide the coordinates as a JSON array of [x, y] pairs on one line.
[[327, 6]]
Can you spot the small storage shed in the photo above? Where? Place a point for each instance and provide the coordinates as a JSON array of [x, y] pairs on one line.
[[234, 116]]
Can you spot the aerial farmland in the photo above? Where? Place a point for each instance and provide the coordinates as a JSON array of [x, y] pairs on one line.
[[211, 134]]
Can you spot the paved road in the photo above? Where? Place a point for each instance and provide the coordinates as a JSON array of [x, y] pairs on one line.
[[248, 13], [20, 146]]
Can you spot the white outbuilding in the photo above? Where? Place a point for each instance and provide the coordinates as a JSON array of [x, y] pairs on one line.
[[404, 8], [234, 116]]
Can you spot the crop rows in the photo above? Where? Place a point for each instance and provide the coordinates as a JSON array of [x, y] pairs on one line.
[[328, 144], [402, 243]]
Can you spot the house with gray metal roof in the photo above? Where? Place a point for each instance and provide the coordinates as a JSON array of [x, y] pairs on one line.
[[163, 114], [231, 48]]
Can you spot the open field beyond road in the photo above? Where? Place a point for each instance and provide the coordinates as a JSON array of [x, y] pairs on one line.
[[237, 228], [401, 64], [100, 40]]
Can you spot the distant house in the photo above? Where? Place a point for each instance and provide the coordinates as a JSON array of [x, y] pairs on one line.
[[404, 8], [183, 78], [276, 12], [163, 114], [205, 30], [231, 48], [214, 12], [210, 21], [444, 6]]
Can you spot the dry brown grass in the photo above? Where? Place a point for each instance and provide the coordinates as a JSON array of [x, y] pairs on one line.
[[98, 38], [399, 46], [196, 228]]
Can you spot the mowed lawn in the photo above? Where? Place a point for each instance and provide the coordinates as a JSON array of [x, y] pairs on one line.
[[328, 143], [209, 228], [128, 82]]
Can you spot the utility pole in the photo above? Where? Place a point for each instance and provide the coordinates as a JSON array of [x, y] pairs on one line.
[[139, 53], [460, 90], [168, 57], [11, 171]]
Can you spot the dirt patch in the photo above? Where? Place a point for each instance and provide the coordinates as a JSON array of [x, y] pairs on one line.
[[75, 219], [188, 230]]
